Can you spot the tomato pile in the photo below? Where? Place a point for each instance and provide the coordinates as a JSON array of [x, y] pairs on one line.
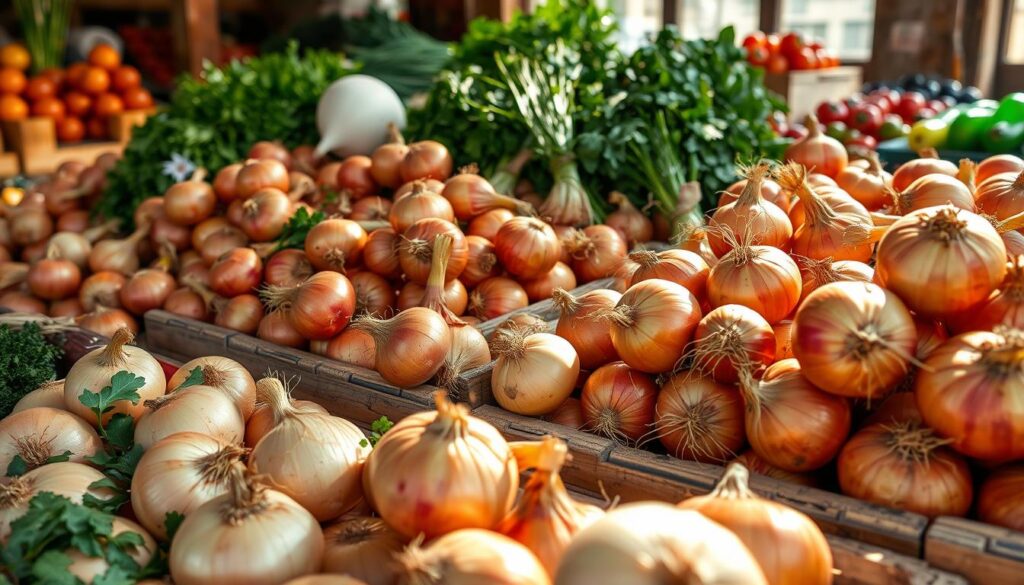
[[791, 51]]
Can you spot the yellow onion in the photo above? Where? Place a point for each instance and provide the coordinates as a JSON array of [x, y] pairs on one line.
[[699, 419], [533, 374], [815, 273], [94, 370], [313, 457], [224, 374], [788, 545], [472, 557], [546, 518], [199, 409], [39, 433], [469, 350], [761, 278], [435, 472], [89, 568], [752, 219], [66, 479], [50, 394], [179, 474], [657, 544], [932, 190], [363, 548], [252, 535], [262, 420], [326, 580]]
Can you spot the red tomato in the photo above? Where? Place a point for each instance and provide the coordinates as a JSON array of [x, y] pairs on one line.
[[78, 104], [791, 45], [758, 56], [804, 59], [70, 129], [910, 103], [97, 128], [854, 100], [863, 141], [137, 98], [124, 78], [937, 105], [778, 64], [796, 132], [924, 114], [54, 74], [833, 111], [773, 43], [866, 118], [755, 39], [49, 107], [39, 88], [74, 73], [823, 58]]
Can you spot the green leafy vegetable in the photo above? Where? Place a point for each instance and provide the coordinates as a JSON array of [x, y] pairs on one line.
[[19, 466], [195, 378], [172, 522], [377, 430], [294, 233], [26, 362]]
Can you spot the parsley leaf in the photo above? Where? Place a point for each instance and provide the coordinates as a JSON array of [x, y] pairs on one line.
[[123, 386], [19, 466], [377, 430], [195, 377], [172, 522], [26, 362], [294, 233], [51, 568]]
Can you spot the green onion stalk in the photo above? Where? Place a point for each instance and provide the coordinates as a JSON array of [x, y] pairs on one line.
[[544, 95], [506, 176], [44, 24]]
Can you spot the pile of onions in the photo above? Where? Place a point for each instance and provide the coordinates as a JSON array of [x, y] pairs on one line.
[[179, 474], [904, 465], [1000, 499], [854, 339], [66, 479], [928, 164], [92, 372], [199, 409], [657, 544], [533, 374], [941, 260], [818, 151], [471, 195], [815, 273], [619, 402], [596, 251], [315, 458], [933, 190], [699, 419], [968, 392], [788, 546], [436, 472], [870, 186], [410, 347], [682, 267], [251, 534], [591, 338], [36, 434], [761, 278], [471, 556], [750, 218], [790, 423], [363, 548], [318, 308], [546, 518], [652, 323], [731, 338]]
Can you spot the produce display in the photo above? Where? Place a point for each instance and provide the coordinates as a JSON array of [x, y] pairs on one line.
[[79, 99], [984, 125], [792, 51]]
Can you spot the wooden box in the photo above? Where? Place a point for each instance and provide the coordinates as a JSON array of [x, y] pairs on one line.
[[9, 165], [34, 140], [980, 552], [804, 90]]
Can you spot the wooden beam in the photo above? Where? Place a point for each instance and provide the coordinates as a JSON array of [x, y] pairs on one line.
[[196, 26], [770, 11]]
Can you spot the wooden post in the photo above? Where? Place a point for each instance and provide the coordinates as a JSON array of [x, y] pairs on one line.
[[196, 26]]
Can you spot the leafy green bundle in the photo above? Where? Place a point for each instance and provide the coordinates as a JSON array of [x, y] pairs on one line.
[[26, 361]]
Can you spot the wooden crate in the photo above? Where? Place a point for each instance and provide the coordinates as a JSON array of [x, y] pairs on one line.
[[35, 142], [545, 310], [980, 552], [9, 165], [804, 90], [856, 563]]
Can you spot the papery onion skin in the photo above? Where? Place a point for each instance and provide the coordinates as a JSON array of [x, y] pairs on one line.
[[200, 409], [591, 338], [262, 420], [933, 190], [224, 374], [483, 263], [527, 247], [652, 324], [237, 272], [486, 225], [619, 402], [732, 337], [106, 322], [49, 394], [903, 465], [698, 419], [454, 296], [288, 267], [759, 466], [363, 548], [764, 279], [436, 472], [789, 546], [66, 479], [260, 174], [88, 569], [1001, 499], [417, 245], [496, 296], [472, 557], [411, 346], [381, 253], [818, 151], [568, 413], [1000, 163], [912, 170], [242, 313], [679, 266], [334, 244], [187, 303], [275, 327], [265, 214], [375, 295], [322, 306], [817, 273], [36, 434], [656, 544], [596, 251], [533, 374], [561, 276]]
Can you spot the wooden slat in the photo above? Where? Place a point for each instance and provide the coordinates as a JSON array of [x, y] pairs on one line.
[[981, 552], [857, 563], [546, 310]]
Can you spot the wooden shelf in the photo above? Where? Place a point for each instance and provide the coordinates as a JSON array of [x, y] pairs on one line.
[[166, 5]]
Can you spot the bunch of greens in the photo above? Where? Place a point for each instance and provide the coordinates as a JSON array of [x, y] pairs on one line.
[[212, 121], [26, 361], [715, 110]]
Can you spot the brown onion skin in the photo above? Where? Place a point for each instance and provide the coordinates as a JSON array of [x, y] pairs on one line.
[[224, 183], [322, 305], [411, 346], [221, 242], [496, 296], [260, 174], [76, 221], [380, 254], [770, 192], [455, 296], [267, 150], [1000, 195], [427, 159], [243, 313], [187, 303], [265, 214], [420, 204], [818, 151], [148, 210], [54, 279], [679, 266], [28, 226], [431, 185], [107, 322], [101, 288], [370, 208], [487, 224], [237, 272], [910, 171], [652, 324], [287, 268], [387, 160], [374, 294], [355, 175], [1001, 499], [591, 337], [145, 290], [1000, 163], [619, 402], [334, 244], [751, 339], [417, 266], [276, 328], [352, 346], [482, 263], [561, 276], [569, 413], [698, 419], [165, 230], [22, 303], [66, 308], [777, 275], [528, 247], [598, 254], [189, 202]]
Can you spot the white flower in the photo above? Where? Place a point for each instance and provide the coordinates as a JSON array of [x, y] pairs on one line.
[[179, 168]]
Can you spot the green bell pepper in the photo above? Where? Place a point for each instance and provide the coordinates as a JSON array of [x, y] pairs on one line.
[[1003, 137], [966, 130], [1011, 108], [987, 104]]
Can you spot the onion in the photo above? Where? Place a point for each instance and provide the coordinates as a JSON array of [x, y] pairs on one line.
[[656, 544], [372, 208], [262, 419], [941, 260], [870, 187], [568, 413], [179, 474], [469, 350], [524, 323], [527, 247], [107, 322], [827, 232], [560, 277], [699, 419], [71, 246], [904, 465], [818, 151], [770, 192], [351, 346], [790, 423], [472, 556], [65, 479], [147, 289], [768, 528], [88, 569], [260, 174], [416, 249], [66, 308], [912, 170], [453, 296], [251, 535], [355, 175], [54, 278], [49, 394], [118, 255], [426, 160], [596, 251], [30, 225], [201, 409], [546, 518], [411, 346], [37, 434], [381, 253], [319, 308], [224, 374], [619, 402], [313, 457], [932, 190], [276, 328], [387, 160], [631, 224], [221, 242], [13, 274], [431, 185], [471, 195], [374, 295], [20, 302], [1003, 307], [968, 392], [224, 183], [93, 371], [1001, 195], [74, 221], [1000, 163], [148, 210], [287, 268], [999, 501], [487, 224], [436, 472], [242, 313], [237, 272], [731, 338], [590, 337], [762, 278], [190, 202], [533, 374], [363, 548], [759, 466], [652, 324], [482, 262], [496, 296], [750, 218], [816, 273], [265, 214], [854, 339], [333, 243], [187, 303], [419, 204], [266, 150]]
